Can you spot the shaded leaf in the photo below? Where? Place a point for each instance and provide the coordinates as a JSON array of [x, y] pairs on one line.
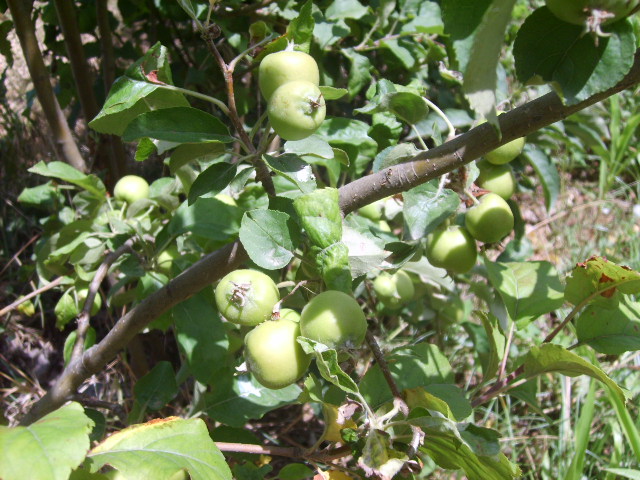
[[212, 181], [157, 388], [65, 172], [611, 330], [547, 174], [427, 206]]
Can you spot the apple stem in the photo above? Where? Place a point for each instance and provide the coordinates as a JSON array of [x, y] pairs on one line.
[[452, 130]]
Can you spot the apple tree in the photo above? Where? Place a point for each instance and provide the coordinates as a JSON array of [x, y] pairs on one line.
[[322, 217]]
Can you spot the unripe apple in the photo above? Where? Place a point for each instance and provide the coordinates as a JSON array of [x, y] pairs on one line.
[[273, 354], [131, 188], [285, 66], [498, 179], [246, 297], [452, 248], [490, 220], [334, 319], [507, 152], [296, 109]]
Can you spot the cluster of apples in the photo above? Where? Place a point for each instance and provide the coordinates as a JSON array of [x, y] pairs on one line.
[[289, 81], [489, 220], [272, 353]]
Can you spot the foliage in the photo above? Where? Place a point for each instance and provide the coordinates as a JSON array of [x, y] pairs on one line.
[[400, 79]]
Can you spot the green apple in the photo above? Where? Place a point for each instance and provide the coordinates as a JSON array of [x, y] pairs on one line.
[[286, 66], [490, 220], [334, 319], [131, 188], [273, 354], [246, 297], [296, 109], [498, 179], [451, 248]]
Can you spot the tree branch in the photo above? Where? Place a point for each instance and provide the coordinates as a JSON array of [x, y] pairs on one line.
[[424, 167]]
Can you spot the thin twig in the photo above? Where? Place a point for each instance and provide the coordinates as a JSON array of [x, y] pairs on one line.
[[290, 452], [20, 301], [19, 252], [101, 273], [384, 367]]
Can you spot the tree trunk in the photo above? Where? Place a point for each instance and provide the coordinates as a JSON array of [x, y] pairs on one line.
[[66, 148]]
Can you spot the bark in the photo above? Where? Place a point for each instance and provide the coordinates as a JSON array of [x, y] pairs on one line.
[[424, 167], [66, 148]]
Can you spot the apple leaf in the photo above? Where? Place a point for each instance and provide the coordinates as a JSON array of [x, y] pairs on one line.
[[236, 400], [598, 279], [581, 65], [294, 169], [480, 74], [212, 181], [611, 330], [65, 172], [47, 449], [328, 365], [201, 337], [161, 448], [157, 388], [550, 358], [319, 214], [426, 207], [547, 174], [528, 289], [420, 365], [266, 236], [138, 91], [189, 152], [177, 124]]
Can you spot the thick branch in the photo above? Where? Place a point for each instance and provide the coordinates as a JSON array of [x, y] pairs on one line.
[[426, 166], [471, 145], [201, 274], [66, 147]]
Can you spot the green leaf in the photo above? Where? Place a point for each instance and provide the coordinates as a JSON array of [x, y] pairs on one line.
[[352, 136], [597, 280], [496, 343], [133, 93], [480, 74], [201, 337], [333, 93], [161, 448], [236, 400], [301, 27], [428, 20], [610, 330], [295, 471], [528, 289], [197, 218], [408, 106], [266, 236], [579, 65], [464, 446], [547, 174], [294, 169], [366, 252], [157, 388], [416, 366], [64, 171], [359, 72], [70, 341], [328, 365], [46, 197], [345, 9], [212, 181], [333, 263], [319, 214], [550, 358], [190, 152], [394, 155], [462, 20], [47, 449], [426, 207], [177, 124], [624, 472]]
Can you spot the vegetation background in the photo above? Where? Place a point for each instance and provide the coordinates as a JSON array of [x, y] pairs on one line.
[[578, 196]]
